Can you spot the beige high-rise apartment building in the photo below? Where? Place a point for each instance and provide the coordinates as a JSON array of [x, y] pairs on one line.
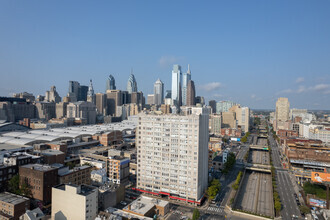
[[242, 116], [215, 124], [228, 120], [70, 201], [173, 155], [282, 109]]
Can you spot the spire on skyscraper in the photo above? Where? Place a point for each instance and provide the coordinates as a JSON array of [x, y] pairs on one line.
[[131, 83]]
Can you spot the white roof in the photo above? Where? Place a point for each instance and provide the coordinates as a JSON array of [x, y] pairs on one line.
[[38, 136]]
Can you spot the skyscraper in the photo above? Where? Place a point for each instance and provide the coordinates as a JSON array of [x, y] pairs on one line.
[[114, 99], [158, 92], [173, 162], [282, 109], [190, 99], [176, 85], [101, 103], [90, 93], [73, 90], [111, 83], [185, 79], [131, 84], [213, 105], [82, 94]]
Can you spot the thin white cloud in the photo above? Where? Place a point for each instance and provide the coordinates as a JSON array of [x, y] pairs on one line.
[[169, 60], [300, 79], [218, 95], [253, 96], [210, 86], [320, 87], [301, 89], [285, 91]]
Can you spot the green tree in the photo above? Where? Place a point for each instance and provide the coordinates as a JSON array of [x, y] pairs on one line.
[[71, 165], [13, 185], [213, 189], [277, 206], [196, 214], [304, 209], [26, 189]]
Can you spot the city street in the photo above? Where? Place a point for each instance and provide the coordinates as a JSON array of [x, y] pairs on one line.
[[285, 188]]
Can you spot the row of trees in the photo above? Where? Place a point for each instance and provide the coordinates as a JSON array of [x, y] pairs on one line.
[[277, 201], [231, 160], [238, 180]]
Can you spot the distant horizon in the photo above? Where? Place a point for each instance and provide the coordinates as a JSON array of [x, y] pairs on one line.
[[248, 52]]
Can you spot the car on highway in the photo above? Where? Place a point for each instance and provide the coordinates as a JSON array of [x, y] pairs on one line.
[[123, 203]]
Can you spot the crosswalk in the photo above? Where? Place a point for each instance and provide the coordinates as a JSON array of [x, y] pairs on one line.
[[215, 209]]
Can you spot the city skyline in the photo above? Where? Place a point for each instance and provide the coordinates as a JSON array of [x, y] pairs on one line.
[[255, 52]]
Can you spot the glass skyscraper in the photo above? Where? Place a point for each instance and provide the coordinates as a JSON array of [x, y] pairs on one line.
[[131, 84], [111, 83], [176, 85]]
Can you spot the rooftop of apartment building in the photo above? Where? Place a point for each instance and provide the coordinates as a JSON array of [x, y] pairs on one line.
[[143, 204], [75, 169], [81, 189], [109, 187], [12, 198], [217, 159], [39, 167], [50, 152], [113, 213]]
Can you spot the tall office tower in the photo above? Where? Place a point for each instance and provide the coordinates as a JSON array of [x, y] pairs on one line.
[[101, 103], [173, 155], [90, 93], [114, 99], [52, 95], [213, 105], [224, 106], [73, 90], [242, 116], [125, 97], [190, 99], [131, 84], [185, 79], [158, 92], [151, 99], [81, 109], [82, 95], [282, 109], [111, 83], [176, 85]]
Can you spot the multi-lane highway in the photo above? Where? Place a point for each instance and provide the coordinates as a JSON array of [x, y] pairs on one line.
[[284, 184]]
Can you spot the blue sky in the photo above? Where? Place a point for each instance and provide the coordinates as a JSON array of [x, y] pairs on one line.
[[250, 52]]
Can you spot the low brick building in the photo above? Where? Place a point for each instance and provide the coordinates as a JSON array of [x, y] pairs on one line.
[[41, 179], [12, 206], [111, 138], [77, 175]]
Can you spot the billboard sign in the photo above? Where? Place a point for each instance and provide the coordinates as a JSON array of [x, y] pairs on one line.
[[320, 177], [317, 203], [235, 139]]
